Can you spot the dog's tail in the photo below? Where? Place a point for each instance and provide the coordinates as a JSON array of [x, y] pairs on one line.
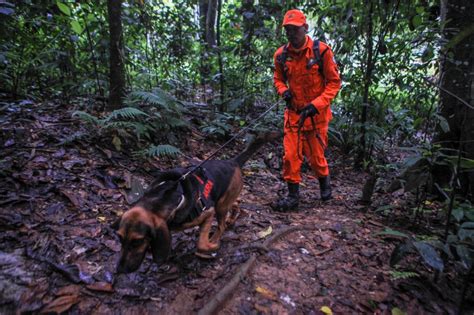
[[257, 142]]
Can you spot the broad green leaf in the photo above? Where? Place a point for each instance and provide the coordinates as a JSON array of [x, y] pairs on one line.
[[443, 122], [91, 17], [393, 233], [466, 233], [467, 164], [416, 21], [458, 214], [63, 8], [429, 255], [469, 213], [117, 143], [445, 247], [76, 27], [409, 162], [400, 251], [466, 255], [468, 225]]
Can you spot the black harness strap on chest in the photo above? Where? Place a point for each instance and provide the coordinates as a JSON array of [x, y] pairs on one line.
[[318, 59], [281, 60], [203, 185]]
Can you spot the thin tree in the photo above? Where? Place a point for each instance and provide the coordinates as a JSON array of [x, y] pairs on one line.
[[207, 24], [116, 66], [456, 88]]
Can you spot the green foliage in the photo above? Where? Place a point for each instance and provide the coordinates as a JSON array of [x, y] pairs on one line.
[[162, 150], [120, 120], [126, 112], [397, 275], [463, 212], [157, 98], [165, 110], [147, 123], [391, 232], [423, 248], [416, 169], [88, 118], [220, 126], [458, 247]]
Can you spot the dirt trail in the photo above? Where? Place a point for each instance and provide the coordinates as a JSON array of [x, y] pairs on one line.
[[61, 192]]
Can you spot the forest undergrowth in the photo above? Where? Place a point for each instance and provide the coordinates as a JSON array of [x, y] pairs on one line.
[[64, 185]]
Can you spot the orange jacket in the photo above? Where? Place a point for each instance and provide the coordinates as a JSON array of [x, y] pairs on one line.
[[307, 85]]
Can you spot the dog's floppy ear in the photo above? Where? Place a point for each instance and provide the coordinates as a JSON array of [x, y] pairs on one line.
[[160, 242]]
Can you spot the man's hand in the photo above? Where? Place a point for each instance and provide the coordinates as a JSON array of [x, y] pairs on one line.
[[287, 98], [308, 111]]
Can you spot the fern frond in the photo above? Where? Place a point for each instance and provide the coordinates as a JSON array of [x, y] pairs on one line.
[[158, 98], [396, 275], [121, 125], [126, 112], [88, 118], [161, 150], [140, 129], [72, 138], [175, 122]]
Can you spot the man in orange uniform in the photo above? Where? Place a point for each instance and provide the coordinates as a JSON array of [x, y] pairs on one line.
[[307, 78]]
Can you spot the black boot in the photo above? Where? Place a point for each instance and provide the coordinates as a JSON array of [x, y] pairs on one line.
[[291, 201], [325, 188]]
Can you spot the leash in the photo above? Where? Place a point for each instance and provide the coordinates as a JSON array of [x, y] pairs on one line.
[[318, 136], [229, 141]]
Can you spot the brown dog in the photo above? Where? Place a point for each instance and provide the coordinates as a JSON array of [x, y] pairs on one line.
[[176, 203]]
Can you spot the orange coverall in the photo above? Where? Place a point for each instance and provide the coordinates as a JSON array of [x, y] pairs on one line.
[[306, 86]]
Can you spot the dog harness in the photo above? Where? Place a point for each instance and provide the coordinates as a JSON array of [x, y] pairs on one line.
[[204, 189]]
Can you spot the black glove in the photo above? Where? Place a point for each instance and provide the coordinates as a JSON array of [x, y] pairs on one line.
[[308, 111], [287, 98]]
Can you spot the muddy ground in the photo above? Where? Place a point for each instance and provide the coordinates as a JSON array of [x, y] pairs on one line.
[[61, 190]]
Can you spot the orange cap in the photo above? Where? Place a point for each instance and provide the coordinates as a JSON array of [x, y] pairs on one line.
[[294, 17]]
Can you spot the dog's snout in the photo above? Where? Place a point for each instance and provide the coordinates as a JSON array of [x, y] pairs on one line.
[[124, 268], [121, 267]]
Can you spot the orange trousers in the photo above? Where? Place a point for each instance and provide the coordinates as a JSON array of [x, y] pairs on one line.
[[310, 144]]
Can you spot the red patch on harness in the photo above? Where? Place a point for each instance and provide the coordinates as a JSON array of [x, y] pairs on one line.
[[207, 189], [199, 179]]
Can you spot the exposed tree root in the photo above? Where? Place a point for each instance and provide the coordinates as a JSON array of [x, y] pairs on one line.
[[211, 307]]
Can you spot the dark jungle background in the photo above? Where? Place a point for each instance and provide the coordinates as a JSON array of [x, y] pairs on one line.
[[142, 78]]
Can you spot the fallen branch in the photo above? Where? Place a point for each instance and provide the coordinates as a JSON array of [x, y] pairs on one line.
[[224, 293]]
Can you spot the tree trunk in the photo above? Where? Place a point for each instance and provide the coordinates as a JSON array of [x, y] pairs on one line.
[[219, 54], [367, 82], [248, 24], [207, 24], [211, 23], [116, 66], [204, 64], [457, 72]]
